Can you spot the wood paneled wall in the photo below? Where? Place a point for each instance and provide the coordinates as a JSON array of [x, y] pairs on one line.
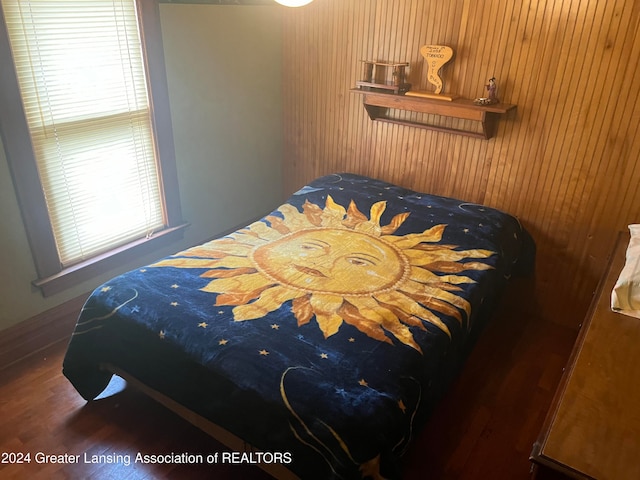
[[566, 163]]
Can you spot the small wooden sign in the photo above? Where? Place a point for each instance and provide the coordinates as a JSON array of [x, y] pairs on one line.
[[436, 56]]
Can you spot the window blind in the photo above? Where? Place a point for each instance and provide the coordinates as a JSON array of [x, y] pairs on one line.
[[81, 73]]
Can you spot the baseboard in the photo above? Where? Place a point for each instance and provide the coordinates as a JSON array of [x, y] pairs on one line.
[[37, 333]]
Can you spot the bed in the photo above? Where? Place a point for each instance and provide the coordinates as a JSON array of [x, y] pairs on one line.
[[322, 335]]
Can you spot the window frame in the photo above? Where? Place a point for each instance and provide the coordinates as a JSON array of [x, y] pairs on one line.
[[52, 277]]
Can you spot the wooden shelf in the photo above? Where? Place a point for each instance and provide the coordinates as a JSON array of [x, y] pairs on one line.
[[378, 103]]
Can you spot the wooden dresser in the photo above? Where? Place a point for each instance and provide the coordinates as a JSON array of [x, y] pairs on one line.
[[592, 429]]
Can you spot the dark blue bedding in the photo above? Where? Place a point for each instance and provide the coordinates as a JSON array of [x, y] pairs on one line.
[[327, 329]]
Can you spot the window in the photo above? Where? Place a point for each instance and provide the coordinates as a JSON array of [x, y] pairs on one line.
[[90, 130]]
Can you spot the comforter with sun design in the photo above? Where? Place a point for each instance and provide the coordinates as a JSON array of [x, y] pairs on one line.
[[327, 329]]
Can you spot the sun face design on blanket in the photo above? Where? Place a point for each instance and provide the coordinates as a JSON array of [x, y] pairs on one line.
[[338, 265]]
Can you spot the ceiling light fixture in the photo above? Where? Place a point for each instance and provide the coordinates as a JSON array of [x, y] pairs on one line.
[[294, 3]]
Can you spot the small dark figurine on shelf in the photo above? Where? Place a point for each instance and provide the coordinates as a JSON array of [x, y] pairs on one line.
[[491, 97], [491, 88]]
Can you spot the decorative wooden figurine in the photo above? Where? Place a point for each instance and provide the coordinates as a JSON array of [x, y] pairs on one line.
[[436, 56]]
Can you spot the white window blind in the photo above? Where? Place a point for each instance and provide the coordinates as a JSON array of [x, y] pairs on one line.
[[81, 73]]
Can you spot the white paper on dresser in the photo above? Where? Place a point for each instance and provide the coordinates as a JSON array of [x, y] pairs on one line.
[[625, 297]]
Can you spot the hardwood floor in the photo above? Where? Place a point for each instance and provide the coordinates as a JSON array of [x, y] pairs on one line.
[[486, 424], [483, 428]]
